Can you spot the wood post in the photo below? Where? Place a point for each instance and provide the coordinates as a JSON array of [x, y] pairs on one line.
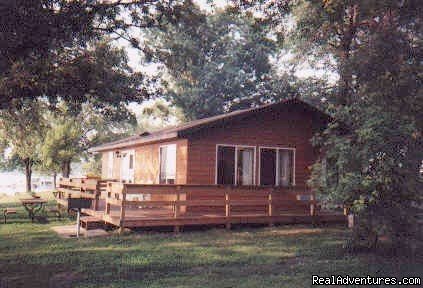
[[176, 206], [270, 208], [228, 208], [313, 213], [122, 210], [97, 195], [107, 208], [95, 204], [78, 223]]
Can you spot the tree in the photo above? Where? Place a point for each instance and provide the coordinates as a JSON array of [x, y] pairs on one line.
[[69, 136], [215, 63], [158, 114], [22, 131], [374, 148], [41, 40], [62, 145]]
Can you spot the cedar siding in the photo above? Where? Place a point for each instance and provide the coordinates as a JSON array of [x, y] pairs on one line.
[[147, 162], [290, 124], [284, 128]]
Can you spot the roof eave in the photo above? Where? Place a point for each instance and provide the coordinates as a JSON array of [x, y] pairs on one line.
[[146, 140]]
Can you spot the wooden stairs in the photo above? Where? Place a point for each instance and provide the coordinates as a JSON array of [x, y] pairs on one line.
[[91, 222]]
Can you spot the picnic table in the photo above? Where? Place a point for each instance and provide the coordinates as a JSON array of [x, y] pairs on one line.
[[33, 206]]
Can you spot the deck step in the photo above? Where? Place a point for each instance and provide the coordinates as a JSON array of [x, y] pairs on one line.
[[91, 222]]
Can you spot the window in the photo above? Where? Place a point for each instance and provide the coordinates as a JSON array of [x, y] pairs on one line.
[[277, 166], [286, 167], [245, 166], [131, 161], [226, 165], [235, 165], [167, 164], [110, 165], [268, 166]]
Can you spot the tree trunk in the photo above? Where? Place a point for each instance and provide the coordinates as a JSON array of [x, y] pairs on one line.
[[28, 173], [66, 168], [347, 39], [54, 180]]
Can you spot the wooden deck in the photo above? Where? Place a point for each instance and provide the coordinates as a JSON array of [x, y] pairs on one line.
[[139, 205]]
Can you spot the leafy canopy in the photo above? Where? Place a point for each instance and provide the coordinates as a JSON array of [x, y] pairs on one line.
[[214, 62], [374, 149]]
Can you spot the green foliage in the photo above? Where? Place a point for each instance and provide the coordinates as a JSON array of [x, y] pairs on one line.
[[69, 136], [157, 115], [22, 129], [214, 62], [92, 166], [21, 132], [62, 143], [53, 135], [44, 50], [374, 149]]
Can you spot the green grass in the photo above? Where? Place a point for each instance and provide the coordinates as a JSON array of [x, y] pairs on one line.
[[31, 255]]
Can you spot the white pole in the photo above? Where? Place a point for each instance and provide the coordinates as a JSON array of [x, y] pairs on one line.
[[78, 223]]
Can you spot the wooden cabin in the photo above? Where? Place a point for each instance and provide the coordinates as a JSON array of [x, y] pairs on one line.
[[248, 166], [265, 146]]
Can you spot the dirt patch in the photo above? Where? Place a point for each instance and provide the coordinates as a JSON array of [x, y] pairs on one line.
[[69, 231], [296, 231]]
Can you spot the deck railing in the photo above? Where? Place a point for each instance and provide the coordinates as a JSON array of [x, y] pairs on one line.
[[153, 205], [81, 187], [184, 201]]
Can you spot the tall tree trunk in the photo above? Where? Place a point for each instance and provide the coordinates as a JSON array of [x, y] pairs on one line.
[[28, 173], [54, 180], [348, 35], [66, 168]]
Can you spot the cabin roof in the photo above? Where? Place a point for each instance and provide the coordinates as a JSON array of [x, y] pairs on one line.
[[190, 127]]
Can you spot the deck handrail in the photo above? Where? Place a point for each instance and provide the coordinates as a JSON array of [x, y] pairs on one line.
[[228, 197], [81, 187]]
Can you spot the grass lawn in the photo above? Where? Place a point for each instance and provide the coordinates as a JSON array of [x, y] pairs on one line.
[[31, 255]]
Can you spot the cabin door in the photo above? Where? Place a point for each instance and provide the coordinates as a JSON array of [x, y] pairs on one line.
[[127, 166]]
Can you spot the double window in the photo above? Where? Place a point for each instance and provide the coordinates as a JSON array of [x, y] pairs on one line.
[[167, 173], [235, 165], [277, 166]]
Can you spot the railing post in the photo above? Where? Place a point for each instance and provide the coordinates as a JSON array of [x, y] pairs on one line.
[[176, 206], [270, 208], [122, 210], [313, 213], [96, 195], [107, 207], [228, 208]]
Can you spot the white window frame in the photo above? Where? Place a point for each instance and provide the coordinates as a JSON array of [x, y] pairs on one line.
[[160, 161], [277, 148], [236, 146], [125, 154]]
